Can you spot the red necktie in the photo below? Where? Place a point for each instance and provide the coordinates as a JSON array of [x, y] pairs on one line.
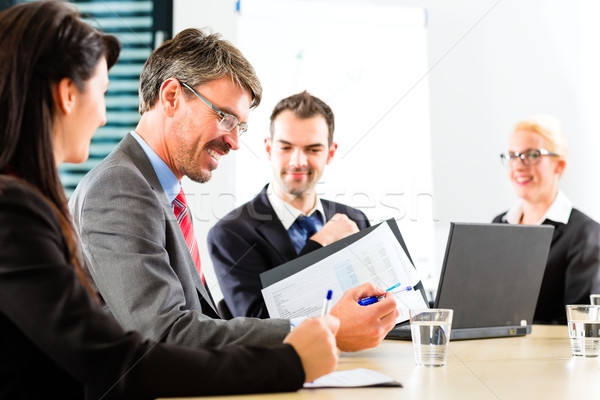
[[182, 213]]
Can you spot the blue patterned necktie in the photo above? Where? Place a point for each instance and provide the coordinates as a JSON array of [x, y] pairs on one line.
[[303, 228]]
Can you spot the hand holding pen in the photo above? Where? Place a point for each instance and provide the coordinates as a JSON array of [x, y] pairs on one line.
[[394, 289], [314, 340], [326, 303], [363, 327]]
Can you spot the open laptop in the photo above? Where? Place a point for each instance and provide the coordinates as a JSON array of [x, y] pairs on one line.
[[491, 278]]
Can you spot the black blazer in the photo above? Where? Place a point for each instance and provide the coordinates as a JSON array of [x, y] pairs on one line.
[[250, 240], [58, 343], [573, 267]]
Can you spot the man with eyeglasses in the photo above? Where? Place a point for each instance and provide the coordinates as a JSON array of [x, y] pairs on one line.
[[139, 246]]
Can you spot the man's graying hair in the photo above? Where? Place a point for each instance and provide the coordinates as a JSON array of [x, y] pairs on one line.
[[196, 57]]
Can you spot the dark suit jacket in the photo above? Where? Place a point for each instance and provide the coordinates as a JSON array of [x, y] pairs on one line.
[[250, 240], [57, 342], [573, 267], [142, 267]]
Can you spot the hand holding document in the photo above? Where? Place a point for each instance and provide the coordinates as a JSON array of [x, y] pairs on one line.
[[376, 257]]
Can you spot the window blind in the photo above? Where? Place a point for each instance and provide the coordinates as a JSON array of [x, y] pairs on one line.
[[132, 23]]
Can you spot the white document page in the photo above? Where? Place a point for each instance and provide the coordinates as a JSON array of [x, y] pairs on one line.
[[377, 258], [359, 377]]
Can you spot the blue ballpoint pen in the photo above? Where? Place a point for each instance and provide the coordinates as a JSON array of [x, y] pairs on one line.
[[374, 299], [325, 309]]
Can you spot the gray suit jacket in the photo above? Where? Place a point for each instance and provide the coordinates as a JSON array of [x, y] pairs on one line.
[[138, 260]]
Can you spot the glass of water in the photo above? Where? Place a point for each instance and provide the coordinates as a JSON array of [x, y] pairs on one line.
[[584, 329], [430, 330]]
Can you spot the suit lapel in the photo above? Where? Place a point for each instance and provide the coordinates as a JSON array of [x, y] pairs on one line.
[[329, 209], [132, 148], [271, 228], [203, 290], [558, 229]]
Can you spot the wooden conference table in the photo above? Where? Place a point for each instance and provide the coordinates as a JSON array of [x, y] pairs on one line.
[[537, 366]]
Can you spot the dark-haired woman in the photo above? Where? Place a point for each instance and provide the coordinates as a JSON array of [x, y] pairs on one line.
[[56, 340]]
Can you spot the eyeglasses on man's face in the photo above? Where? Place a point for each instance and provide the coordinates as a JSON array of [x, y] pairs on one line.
[[228, 122], [528, 157]]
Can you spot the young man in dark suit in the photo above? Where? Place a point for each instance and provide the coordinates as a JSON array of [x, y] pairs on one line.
[[266, 231]]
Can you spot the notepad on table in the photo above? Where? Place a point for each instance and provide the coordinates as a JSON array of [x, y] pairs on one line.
[[360, 377]]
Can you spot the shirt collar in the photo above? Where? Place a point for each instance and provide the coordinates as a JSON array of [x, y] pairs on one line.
[[171, 186], [287, 213], [559, 211]]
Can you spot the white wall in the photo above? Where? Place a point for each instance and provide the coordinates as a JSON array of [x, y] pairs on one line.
[[492, 63]]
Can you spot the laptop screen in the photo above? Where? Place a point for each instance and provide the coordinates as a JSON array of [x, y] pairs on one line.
[[492, 273]]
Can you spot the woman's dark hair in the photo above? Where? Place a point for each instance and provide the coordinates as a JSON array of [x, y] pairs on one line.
[[40, 44]]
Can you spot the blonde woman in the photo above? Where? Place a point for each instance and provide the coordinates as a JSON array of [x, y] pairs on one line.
[[535, 160]]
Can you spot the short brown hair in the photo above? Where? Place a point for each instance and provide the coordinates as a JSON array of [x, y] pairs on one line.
[[304, 105], [195, 57]]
